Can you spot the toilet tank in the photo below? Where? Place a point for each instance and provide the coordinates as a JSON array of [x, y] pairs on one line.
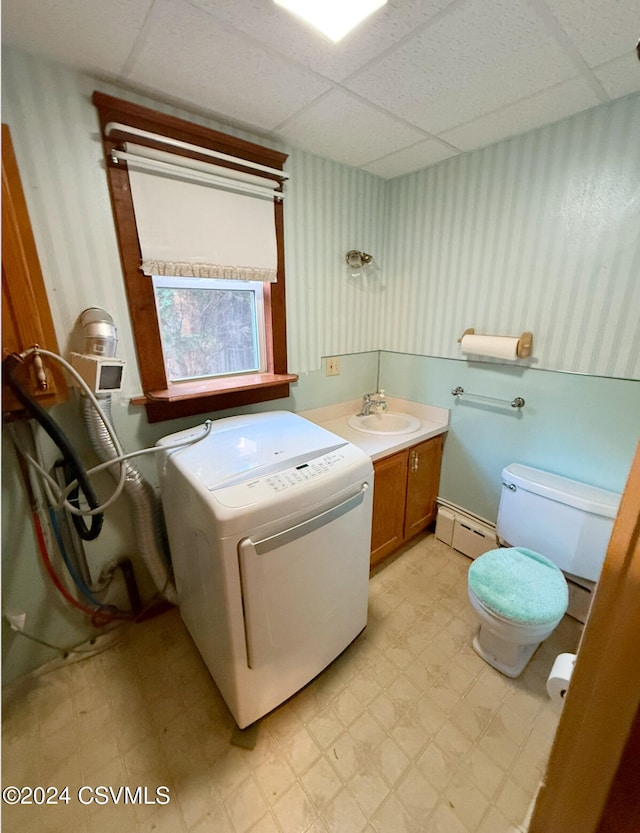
[[567, 521]]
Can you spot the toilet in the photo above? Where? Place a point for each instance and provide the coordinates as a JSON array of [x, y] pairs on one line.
[[551, 526]]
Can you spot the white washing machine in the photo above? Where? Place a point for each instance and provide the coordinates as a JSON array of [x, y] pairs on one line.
[[269, 525]]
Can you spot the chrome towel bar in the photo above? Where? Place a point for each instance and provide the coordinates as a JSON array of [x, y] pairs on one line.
[[518, 402]]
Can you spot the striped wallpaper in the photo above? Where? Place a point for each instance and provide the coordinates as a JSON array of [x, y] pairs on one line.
[[330, 209], [540, 232]]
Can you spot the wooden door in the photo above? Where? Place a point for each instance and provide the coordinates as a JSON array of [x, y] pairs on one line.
[[26, 317], [591, 783], [423, 480], [389, 489]]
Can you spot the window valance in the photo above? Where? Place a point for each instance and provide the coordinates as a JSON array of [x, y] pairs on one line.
[[200, 220]]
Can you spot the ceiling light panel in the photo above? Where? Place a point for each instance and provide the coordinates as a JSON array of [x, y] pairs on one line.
[[334, 18]]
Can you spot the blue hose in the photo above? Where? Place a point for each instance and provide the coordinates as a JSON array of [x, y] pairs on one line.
[[77, 580]]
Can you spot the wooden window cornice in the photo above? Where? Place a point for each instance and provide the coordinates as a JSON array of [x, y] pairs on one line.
[[163, 399]]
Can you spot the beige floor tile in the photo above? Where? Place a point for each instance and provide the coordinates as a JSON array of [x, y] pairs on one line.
[[274, 775], [246, 805], [364, 685], [164, 820], [197, 796], [54, 819], [392, 815], [347, 706], [481, 771], [409, 734], [444, 820], [369, 789], [474, 711], [409, 731], [466, 801], [326, 726], [429, 713], [214, 822], [343, 815], [321, 783], [403, 692], [416, 794], [391, 761], [294, 811], [268, 824], [230, 769], [386, 711], [498, 743], [367, 732], [301, 751], [348, 756], [110, 773], [495, 822], [513, 801], [111, 819]]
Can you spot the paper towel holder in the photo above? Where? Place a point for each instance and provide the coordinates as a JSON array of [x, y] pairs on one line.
[[525, 342]]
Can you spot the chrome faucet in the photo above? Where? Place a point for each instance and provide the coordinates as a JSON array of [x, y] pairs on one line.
[[376, 401]]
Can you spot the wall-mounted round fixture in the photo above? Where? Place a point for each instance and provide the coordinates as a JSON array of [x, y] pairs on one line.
[[363, 271], [356, 260]]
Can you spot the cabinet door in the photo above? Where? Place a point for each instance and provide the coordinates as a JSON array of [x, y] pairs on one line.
[[389, 488], [26, 318], [423, 480]]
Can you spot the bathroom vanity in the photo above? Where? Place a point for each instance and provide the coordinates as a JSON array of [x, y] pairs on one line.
[[407, 469], [404, 495]]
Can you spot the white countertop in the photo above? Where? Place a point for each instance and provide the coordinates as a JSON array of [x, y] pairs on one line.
[[433, 421]]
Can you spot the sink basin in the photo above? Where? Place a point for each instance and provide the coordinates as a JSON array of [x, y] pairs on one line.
[[390, 422]]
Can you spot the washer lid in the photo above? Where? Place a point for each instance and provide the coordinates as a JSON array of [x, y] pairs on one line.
[[253, 444]]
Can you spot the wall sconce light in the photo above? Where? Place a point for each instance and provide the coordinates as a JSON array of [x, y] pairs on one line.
[[362, 270], [357, 263]]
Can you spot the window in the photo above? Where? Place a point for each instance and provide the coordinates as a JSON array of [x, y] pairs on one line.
[[210, 327], [207, 336]]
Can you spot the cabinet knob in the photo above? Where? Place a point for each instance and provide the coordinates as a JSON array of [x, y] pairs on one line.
[[415, 457]]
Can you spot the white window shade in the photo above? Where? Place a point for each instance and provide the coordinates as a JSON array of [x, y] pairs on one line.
[[192, 225]]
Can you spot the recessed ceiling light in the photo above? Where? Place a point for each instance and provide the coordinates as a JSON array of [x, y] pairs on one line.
[[332, 17]]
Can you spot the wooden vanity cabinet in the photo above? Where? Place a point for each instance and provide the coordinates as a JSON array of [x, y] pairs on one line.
[[405, 489], [389, 494]]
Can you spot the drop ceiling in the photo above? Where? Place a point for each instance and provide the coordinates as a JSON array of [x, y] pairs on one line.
[[417, 82]]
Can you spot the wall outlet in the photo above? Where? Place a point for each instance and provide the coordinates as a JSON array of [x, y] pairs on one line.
[[333, 366]]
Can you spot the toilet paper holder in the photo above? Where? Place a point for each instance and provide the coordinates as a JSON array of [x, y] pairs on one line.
[[524, 346]]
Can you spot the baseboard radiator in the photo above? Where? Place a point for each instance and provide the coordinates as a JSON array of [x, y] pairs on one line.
[[463, 531], [473, 536]]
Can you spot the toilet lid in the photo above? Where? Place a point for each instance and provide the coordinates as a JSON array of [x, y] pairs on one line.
[[519, 585]]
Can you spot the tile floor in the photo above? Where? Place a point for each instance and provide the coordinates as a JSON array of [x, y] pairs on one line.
[[407, 731]]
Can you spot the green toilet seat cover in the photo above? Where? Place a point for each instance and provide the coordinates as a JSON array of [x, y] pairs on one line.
[[519, 585]]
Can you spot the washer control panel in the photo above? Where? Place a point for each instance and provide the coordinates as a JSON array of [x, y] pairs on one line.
[[257, 489]]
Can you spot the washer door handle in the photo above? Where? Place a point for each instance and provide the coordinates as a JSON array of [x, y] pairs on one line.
[[278, 539]]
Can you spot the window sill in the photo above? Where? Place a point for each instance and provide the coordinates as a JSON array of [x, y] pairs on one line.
[[189, 398]]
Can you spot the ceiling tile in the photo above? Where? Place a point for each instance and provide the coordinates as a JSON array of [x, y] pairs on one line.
[[620, 76], [89, 34], [483, 55], [600, 29], [550, 105], [342, 127], [411, 159], [290, 36], [188, 56], [470, 72]]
